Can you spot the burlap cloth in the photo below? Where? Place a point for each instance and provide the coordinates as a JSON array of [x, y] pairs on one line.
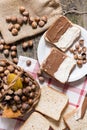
[[51, 8]]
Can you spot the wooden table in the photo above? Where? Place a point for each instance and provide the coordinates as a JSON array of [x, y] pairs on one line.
[[79, 6]]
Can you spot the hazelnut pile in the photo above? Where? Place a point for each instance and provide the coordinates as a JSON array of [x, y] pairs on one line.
[[23, 98], [80, 53], [9, 50], [15, 22]]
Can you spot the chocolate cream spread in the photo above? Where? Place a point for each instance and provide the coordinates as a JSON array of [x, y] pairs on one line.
[[58, 29], [53, 61]]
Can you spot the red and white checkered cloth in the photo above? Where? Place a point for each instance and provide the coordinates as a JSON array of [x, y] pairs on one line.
[[75, 91]]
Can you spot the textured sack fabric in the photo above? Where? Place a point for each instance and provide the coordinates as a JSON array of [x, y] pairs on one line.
[[50, 8]]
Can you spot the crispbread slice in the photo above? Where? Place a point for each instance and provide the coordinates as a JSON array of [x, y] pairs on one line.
[[74, 124], [52, 103], [36, 122]]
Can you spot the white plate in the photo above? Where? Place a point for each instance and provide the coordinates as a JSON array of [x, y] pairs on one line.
[[44, 50]]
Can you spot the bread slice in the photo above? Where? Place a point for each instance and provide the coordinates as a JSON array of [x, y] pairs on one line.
[[58, 65], [51, 103], [60, 125], [62, 33], [36, 122], [74, 124]]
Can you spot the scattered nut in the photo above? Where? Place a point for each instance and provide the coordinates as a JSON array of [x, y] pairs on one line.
[[7, 97], [17, 26], [37, 19], [13, 48], [41, 79], [81, 42], [77, 46], [34, 25], [31, 19], [10, 27], [1, 69], [15, 60], [13, 19], [6, 52], [30, 43], [6, 72], [2, 63], [25, 45], [25, 106], [13, 54], [28, 62], [10, 68], [30, 101], [20, 21], [1, 47], [26, 13], [25, 19], [14, 108], [8, 19], [41, 23], [14, 32], [79, 63], [2, 41], [44, 18], [22, 9]]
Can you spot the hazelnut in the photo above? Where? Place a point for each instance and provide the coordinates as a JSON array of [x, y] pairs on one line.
[[30, 102], [28, 88], [31, 95], [17, 26], [10, 26], [1, 69], [25, 45], [15, 60], [8, 19], [1, 47], [77, 46], [22, 9], [79, 57], [10, 68], [31, 19], [28, 62], [19, 92], [37, 19], [26, 13], [6, 52], [2, 41], [74, 51], [26, 80], [71, 50], [17, 98], [33, 87], [81, 42], [6, 72], [79, 63], [25, 19], [39, 73], [19, 106], [24, 98], [13, 54], [34, 25], [2, 63], [13, 48], [2, 75], [41, 23], [79, 50], [41, 79], [14, 32], [5, 87], [25, 106], [84, 49], [20, 21], [44, 18], [13, 19], [14, 108], [30, 43]]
